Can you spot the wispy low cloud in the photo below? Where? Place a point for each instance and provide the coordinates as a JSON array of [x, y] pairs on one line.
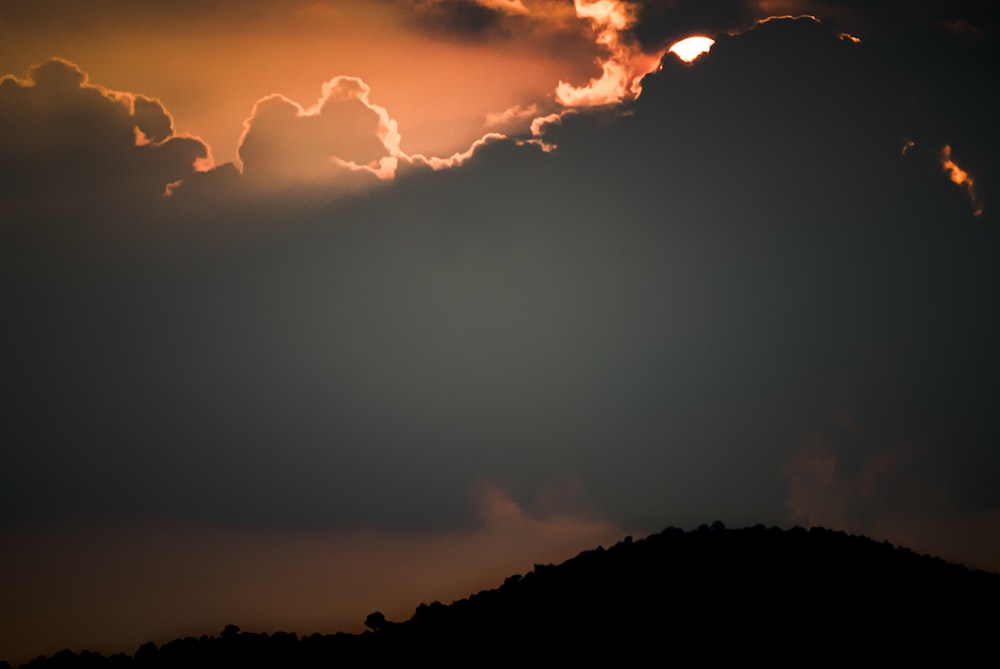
[[886, 495], [510, 115], [538, 126], [264, 579], [820, 495]]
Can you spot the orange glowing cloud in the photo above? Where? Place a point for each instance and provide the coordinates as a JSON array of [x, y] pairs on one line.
[[787, 17], [284, 142], [455, 159], [960, 177], [211, 61], [339, 138], [292, 143], [623, 68], [820, 496], [538, 125], [515, 7], [881, 501]]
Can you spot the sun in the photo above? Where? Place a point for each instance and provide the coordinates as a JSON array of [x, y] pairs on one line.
[[690, 48]]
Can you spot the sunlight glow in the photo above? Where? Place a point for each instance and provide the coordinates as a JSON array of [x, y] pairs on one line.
[[689, 48]]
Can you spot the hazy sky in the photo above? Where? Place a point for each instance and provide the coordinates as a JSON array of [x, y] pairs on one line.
[[317, 308]]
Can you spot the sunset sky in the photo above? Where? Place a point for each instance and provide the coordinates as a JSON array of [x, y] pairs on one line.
[[317, 308]]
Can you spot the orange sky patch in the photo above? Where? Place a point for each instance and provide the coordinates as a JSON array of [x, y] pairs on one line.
[[203, 577], [211, 72]]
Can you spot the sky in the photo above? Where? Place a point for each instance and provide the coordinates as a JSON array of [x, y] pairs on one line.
[[313, 309]]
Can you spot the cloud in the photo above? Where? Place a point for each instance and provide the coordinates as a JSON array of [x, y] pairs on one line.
[[511, 115], [538, 124], [91, 145], [960, 177], [520, 312], [821, 495], [455, 159], [466, 19], [656, 309], [656, 312], [151, 119], [554, 21], [342, 132], [896, 15], [65, 15], [341, 141], [623, 67], [97, 146], [657, 25], [890, 496]]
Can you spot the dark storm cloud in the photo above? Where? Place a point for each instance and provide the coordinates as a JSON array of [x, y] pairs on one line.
[[666, 309], [846, 474], [68, 144]]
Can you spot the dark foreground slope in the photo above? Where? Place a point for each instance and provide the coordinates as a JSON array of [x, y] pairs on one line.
[[787, 597]]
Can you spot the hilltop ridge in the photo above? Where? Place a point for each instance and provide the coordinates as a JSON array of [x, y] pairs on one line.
[[786, 595]]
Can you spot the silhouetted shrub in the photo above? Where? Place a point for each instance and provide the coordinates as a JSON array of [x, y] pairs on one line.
[[375, 621]]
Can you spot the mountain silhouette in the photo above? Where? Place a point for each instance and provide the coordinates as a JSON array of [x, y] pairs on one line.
[[786, 597]]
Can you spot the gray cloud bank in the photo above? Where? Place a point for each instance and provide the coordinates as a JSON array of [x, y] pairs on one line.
[[689, 294]]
